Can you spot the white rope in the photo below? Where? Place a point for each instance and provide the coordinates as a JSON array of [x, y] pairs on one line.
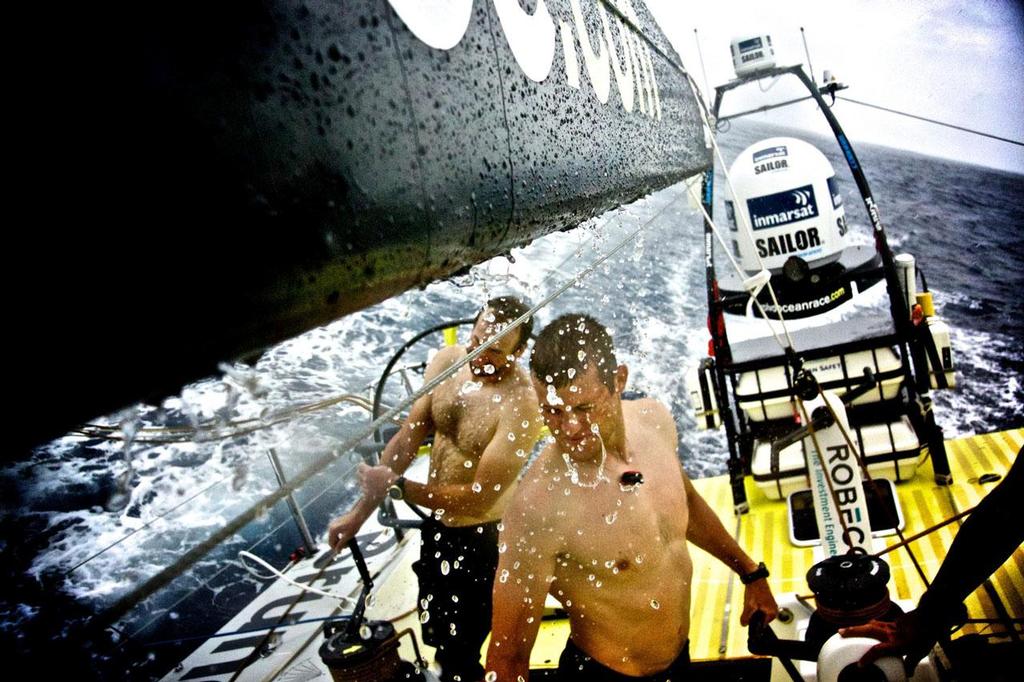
[[274, 573]]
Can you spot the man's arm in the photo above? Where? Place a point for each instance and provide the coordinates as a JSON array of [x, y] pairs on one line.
[[525, 570], [707, 532], [497, 469], [398, 454]]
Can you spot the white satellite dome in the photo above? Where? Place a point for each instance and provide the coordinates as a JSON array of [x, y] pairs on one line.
[[785, 192]]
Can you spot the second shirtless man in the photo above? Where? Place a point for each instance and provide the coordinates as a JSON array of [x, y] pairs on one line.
[[612, 550], [485, 423]]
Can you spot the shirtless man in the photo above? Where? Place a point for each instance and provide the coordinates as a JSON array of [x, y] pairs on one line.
[[611, 549], [485, 423]]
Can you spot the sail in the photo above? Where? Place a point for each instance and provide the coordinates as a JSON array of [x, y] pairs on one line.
[[237, 173]]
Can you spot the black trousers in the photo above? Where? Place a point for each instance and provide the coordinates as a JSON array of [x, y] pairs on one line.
[[456, 575], [576, 666]]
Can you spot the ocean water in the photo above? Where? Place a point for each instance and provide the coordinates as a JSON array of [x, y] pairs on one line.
[[87, 519]]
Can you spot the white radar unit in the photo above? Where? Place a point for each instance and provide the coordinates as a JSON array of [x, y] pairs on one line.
[[752, 54], [785, 191]]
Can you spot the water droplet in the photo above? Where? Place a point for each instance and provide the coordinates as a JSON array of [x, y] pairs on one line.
[[491, 676], [502, 548], [581, 355], [496, 398], [591, 577], [489, 369], [526, 423], [610, 518], [424, 616], [468, 464], [639, 558], [477, 487], [520, 453], [445, 567], [503, 578], [438, 513], [455, 598], [571, 372], [497, 487], [655, 605], [511, 436], [470, 387], [365, 632]]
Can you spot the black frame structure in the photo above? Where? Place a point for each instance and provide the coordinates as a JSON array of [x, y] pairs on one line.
[[912, 340]]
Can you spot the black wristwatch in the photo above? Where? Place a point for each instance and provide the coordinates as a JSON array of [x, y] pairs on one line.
[[396, 491], [760, 572]]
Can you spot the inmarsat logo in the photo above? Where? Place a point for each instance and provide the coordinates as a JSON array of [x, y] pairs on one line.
[[614, 50], [776, 210]]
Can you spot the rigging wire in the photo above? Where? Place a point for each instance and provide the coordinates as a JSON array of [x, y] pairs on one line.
[[706, 118], [930, 120], [174, 508], [145, 525], [122, 605], [211, 431], [271, 533]]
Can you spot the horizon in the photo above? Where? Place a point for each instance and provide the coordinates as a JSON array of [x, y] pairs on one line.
[[962, 65]]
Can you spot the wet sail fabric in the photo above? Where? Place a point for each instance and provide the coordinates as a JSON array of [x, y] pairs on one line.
[[249, 171]]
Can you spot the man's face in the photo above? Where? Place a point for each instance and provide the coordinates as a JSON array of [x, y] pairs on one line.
[[498, 360], [580, 413]]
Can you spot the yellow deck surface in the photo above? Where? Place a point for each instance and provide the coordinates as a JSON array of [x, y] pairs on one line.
[[715, 631]]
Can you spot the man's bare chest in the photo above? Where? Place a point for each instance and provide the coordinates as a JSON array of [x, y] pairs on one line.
[[467, 413]]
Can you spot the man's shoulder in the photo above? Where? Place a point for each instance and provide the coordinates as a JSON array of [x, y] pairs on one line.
[[647, 409], [445, 357], [539, 473]]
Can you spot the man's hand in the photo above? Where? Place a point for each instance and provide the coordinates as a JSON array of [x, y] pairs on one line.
[[375, 481], [907, 636], [757, 596], [343, 529]]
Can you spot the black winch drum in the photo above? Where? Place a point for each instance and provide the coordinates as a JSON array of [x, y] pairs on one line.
[[352, 658]]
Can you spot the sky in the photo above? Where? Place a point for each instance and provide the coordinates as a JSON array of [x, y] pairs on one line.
[[957, 62]]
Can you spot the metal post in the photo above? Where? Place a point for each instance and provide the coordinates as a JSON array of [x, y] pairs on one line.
[[307, 538]]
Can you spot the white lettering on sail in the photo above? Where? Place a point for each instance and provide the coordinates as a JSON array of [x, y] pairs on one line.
[[623, 77], [633, 43], [650, 81], [441, 24], [531, 38], [597, 63], [572, 63]]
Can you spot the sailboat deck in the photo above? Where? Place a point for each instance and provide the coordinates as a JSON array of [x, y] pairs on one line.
[[715, 632]]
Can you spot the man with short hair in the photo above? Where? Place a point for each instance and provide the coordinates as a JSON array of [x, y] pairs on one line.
[[485, 423], [601, 520]]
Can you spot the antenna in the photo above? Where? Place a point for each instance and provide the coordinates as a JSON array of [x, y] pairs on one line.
[[810, 68], [702, 69]]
